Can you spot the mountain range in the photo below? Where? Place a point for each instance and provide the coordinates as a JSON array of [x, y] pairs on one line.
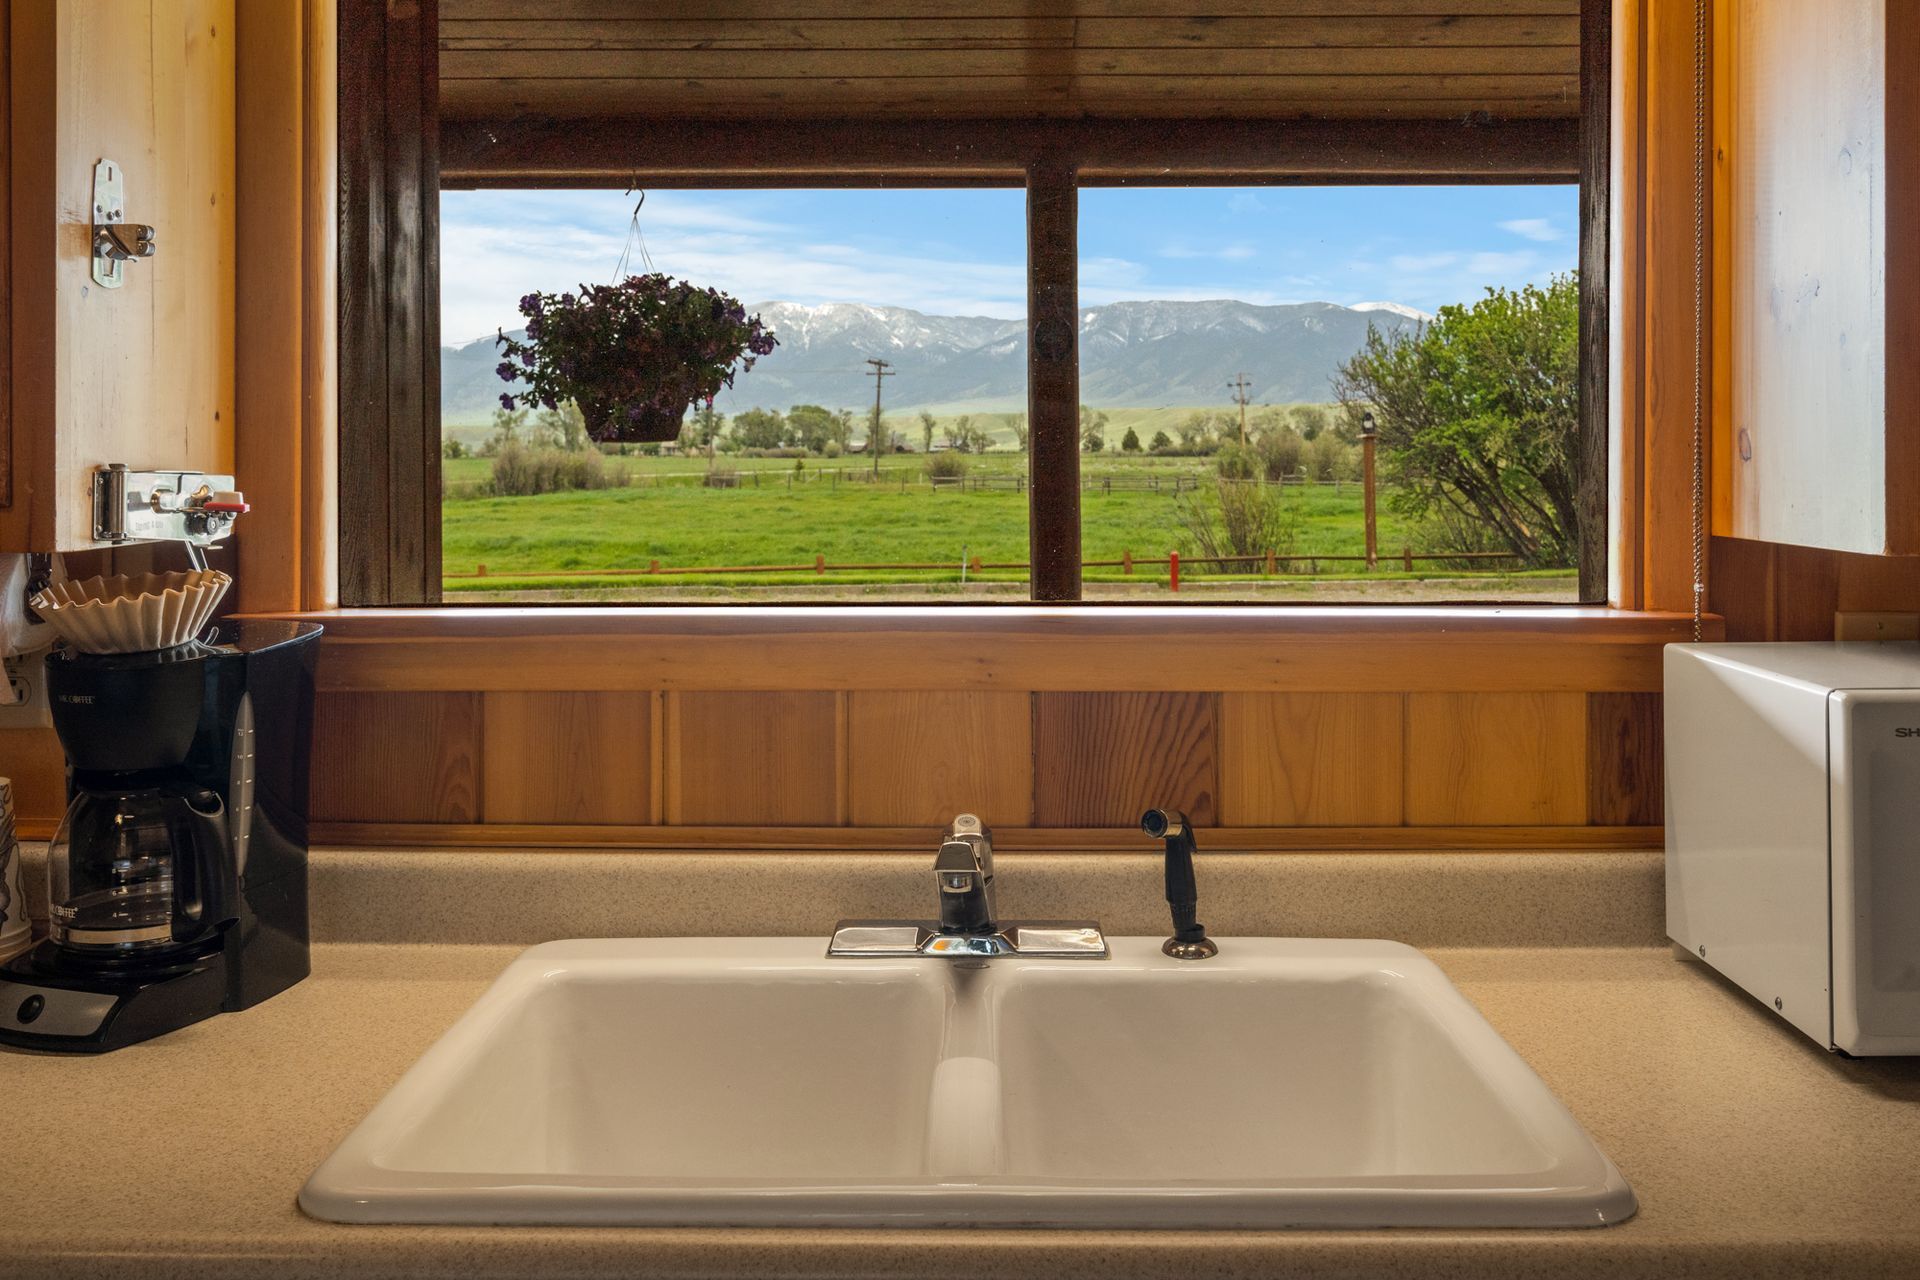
[[1131, 354]]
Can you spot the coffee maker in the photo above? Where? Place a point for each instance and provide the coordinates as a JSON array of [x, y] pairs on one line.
[[177, 882]]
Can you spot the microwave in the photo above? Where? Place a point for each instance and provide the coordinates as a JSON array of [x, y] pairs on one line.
[[1793, 830]]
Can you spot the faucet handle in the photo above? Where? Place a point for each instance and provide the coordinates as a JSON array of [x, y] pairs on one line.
[[968, 828]]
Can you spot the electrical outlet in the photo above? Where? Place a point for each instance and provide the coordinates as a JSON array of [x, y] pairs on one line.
[[1876, 626], [28, 676]]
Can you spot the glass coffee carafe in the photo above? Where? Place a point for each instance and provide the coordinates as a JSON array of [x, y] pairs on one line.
[[139, 870]]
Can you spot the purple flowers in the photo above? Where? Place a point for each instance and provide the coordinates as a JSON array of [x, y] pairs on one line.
[[632, 355]]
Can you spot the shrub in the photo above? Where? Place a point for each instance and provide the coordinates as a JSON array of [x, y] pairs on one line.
[[949, 465], [520, 471], [833, 449], [1328, 458], [1280, 452], [1238, 518], [1235, 462]]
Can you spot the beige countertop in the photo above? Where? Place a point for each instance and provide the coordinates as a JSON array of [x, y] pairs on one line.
[[1752, 1152]]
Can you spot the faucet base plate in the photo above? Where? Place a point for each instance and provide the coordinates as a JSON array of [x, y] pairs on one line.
[[1049, 939]]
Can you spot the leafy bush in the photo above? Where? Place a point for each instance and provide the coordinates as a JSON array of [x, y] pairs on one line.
[[520, 471], [1330, 458], [949, 465]]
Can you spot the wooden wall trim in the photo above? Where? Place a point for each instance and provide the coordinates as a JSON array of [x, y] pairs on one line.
[[1092, 840], [6, 256], [784, 152], [1023, 649], [389, 302]]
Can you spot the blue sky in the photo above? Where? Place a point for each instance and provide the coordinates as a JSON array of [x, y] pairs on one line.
[[962, 252]]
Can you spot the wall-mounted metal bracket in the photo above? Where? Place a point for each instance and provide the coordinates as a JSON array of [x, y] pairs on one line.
[[177, 506], [116, 241]]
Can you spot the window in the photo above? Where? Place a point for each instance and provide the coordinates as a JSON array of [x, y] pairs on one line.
[[770, 125], [905, 303]]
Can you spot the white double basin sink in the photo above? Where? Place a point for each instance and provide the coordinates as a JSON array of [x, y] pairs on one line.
[[754, 1082]]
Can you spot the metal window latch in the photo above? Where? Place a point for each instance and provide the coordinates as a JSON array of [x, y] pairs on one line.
[[116, 241], [177, 506]]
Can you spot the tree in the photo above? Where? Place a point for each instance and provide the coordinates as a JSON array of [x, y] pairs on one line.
[[562, 428], [1478, 418], [841, 434], [1160, 443], [702, 429], [451, 447], [1130, 442], [1093, 425], [760, 429], [810, 426], [508, 425], [1018, 423], [1195, 432], [927, 424], [959, 432], [1309, 420]]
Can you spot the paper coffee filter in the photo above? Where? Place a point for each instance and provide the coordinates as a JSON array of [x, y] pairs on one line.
[[132, 613]]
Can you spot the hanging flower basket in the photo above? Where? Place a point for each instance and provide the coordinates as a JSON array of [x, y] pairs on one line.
[[633, 356]]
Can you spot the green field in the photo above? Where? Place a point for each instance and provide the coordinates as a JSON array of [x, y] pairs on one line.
[[553, 542]]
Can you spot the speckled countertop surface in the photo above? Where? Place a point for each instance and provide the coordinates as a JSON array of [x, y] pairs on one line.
[[1753, 1153]]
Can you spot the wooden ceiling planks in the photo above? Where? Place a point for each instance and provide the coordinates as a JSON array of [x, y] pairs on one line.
[[1335, 59]]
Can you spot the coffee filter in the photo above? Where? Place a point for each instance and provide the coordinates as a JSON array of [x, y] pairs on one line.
[[132, 613]]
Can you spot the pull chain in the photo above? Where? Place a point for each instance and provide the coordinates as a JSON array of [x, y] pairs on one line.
[[1699, 314]]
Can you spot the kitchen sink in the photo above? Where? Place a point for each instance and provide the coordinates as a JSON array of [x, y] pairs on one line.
[[754, 1082]]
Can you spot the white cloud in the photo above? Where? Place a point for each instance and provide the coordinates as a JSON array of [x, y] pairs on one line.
[[1539, 229], [496, 249], [1245, 202], [1180, 249]]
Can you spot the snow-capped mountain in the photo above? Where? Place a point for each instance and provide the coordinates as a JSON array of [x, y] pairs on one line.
[[1131, 353]]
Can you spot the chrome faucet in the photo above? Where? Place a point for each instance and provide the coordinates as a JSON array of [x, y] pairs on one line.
[[963, 870], [968, 926]]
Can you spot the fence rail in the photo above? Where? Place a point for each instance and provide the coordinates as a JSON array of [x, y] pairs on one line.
[[1270, 565], [903, 478]]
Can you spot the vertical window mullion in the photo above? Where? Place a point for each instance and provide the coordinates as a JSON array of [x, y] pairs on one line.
[[1053, 378]]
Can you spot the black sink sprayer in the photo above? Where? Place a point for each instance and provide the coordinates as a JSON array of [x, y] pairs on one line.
[[1189, 940]]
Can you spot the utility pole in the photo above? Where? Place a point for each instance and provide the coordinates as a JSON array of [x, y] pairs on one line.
[[881, 369], [1239, 385]]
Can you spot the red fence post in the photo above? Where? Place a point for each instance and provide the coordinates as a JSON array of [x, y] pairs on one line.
[[819, 562], [1173, 570]]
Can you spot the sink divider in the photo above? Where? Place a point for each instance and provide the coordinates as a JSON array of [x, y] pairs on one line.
[[965, 1104]]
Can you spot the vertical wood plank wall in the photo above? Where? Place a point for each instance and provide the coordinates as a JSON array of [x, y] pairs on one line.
[[525, 761], [1771, 591]]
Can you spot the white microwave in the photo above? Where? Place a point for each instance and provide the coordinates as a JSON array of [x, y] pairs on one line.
[[1793, 830]]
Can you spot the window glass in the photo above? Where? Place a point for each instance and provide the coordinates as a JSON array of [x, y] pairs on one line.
[[777, 491], [1243, 351]]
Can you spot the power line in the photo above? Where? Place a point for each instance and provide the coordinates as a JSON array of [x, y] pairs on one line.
[[881, 370]]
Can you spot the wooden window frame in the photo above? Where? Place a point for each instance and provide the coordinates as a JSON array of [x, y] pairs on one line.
[[396, 156]]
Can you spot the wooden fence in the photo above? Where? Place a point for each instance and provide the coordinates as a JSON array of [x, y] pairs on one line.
[[1269, 564]]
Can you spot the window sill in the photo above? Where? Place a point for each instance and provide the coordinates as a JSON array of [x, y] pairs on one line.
[[1032, 647]]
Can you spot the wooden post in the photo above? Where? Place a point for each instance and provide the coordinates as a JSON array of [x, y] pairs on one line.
[[819, 562], [1053, 378], [1173, 570], [1406, 558], [1126, 563], [1271, 566], [653, 566], [482, 572], [1367, 484]]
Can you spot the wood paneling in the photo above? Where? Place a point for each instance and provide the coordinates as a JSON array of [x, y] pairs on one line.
[[286, 156], [1825, 213], [31, 759], [746, 759], [142, 374], [1625, 761], [690, 152], [1312, 759], [1773, 592], [6, 258], [1492, 759], [1252, 649], [569, 758], [397, 757], [919, 758], [389, 302], [1254, 60], [1102, 759]]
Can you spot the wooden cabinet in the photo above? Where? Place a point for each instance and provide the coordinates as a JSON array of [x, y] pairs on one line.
[[142, 374], [1824, 143]]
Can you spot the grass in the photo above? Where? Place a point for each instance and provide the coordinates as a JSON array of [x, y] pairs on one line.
[[526, 542]]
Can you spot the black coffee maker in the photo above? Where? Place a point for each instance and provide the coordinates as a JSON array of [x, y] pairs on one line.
[[177, 882]]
